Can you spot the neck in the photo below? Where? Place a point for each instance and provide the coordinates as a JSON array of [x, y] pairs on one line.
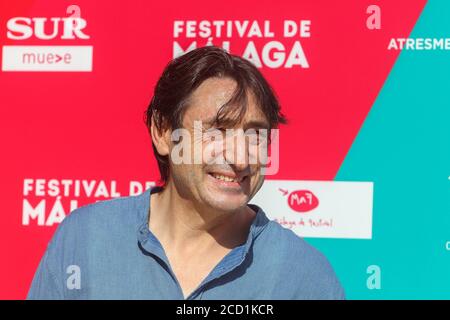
[[182, 225]]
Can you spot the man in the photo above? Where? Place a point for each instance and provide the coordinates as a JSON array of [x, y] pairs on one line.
[[194, 236]]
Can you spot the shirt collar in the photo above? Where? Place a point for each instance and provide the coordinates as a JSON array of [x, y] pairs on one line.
[[144, 234], [151, 245]]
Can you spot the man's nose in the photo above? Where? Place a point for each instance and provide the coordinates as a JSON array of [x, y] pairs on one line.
[[236, 150]]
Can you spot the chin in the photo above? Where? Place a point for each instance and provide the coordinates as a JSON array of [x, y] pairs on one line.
[[227, 196], [225, 202], [227, 207]]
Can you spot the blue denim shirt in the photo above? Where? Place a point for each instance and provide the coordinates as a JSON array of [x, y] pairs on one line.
[[105, 250]]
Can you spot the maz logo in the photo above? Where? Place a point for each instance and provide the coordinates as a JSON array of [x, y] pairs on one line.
[[301, 200]]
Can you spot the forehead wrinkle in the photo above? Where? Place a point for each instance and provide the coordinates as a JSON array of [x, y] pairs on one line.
[[209, 98], [229, 105]]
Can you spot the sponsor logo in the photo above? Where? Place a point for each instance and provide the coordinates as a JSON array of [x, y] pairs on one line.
[[319, 209], [50, 58], [301, 200]]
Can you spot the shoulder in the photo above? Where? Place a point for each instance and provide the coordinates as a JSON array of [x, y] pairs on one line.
[[289, 243], [91, 233], [105, 213], [305, 267], [102, 223]]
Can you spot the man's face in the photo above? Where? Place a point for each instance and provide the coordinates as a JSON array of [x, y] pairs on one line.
[[225, 179]]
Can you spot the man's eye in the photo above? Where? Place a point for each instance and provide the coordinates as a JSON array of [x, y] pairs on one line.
[[213, 134], [212, 129]]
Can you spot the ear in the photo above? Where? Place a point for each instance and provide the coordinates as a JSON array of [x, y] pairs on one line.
[[161, 139]]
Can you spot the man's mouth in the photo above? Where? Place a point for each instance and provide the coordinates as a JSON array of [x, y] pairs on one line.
[[226, 178]]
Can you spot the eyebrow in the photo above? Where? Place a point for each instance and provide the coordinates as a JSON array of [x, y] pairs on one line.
[[253, 124], [256, 124]]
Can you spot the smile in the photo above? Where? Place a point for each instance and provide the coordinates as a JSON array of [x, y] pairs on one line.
[[227, 178]]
